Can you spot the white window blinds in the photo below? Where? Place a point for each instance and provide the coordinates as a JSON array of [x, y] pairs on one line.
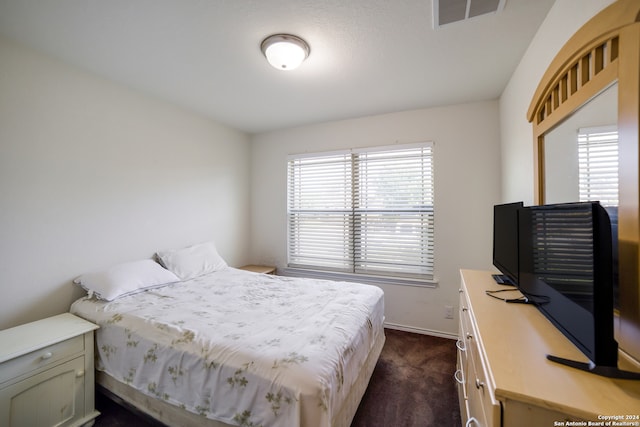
[[363, 211], [598, 164], [320, 212]]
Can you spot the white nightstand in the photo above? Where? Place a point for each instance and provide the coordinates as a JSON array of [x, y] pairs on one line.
[[46, 373]]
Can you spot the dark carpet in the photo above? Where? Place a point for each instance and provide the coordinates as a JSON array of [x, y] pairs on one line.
[[412, 386]]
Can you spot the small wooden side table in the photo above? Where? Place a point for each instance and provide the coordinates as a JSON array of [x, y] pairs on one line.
[[265, 269]]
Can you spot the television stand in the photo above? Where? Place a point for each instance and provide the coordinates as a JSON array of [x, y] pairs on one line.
[[504, 378], [604, 371]]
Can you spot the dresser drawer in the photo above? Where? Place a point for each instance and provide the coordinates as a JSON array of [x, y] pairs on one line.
[[468, 340], [41, 358], [459, 376], [476, 411], [482, 405], [488, 409], [461, 364]]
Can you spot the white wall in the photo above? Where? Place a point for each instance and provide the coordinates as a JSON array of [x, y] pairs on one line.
[[467, 185], [516, 133], [92, 174]]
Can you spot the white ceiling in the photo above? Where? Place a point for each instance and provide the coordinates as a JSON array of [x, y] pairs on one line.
[[367, 56]]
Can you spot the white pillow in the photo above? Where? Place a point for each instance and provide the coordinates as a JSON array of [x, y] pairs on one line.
[[193, 261], [126, 279]]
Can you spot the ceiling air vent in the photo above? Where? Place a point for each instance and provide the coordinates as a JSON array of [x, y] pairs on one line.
[[448, 11]]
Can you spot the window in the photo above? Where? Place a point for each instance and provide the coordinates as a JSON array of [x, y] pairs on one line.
[[598, 164], [363, 211]]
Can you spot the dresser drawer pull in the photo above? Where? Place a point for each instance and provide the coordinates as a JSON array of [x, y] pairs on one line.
[[469, 336], [80, 373], [458, 380], [464, 309], [47, 355], [470, 421], [479, 384], [460, 345]]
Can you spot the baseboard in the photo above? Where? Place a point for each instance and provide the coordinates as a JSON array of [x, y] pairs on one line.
[[420, 331]]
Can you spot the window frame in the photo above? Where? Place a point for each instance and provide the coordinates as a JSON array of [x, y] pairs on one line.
[[353, 273]]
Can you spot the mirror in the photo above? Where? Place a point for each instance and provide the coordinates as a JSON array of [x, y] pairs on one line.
[[581, 159], [563, 169], [592, 82]]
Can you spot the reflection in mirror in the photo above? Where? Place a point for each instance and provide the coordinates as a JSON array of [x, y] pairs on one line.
[[579, 163], [581, 160]]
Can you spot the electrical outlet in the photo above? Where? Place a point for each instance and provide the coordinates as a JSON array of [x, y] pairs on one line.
[[448, 312]]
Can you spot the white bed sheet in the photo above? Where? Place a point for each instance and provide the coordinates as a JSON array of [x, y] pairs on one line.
[[240, 347]]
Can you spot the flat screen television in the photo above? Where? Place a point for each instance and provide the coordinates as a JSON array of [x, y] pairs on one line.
[[566, 270], [613, 217], [505, 241]]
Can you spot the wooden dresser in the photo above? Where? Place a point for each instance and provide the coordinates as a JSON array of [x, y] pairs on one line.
[[504, 378], [47, 373]]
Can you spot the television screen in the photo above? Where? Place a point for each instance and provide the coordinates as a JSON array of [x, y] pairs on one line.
[[505, 240], [566, 270]]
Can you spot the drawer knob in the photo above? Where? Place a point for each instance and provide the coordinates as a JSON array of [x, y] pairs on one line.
[[47, 355], [469, 336], [80, 373], [464, 308], [479, 384]]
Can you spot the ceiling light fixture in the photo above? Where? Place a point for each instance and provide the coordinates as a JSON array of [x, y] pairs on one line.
[[285, 51]]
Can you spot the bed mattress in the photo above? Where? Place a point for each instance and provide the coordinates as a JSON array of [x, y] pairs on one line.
[[240, 347]]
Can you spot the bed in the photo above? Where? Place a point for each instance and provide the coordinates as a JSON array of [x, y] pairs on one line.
[[233, 347]]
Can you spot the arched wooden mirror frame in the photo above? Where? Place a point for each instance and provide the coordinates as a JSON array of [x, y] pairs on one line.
[[604, 51]]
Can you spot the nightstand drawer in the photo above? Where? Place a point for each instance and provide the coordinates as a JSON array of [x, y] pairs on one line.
[[41, 358]]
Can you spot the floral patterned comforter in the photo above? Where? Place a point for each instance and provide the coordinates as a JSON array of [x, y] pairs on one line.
[[244, 348]]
